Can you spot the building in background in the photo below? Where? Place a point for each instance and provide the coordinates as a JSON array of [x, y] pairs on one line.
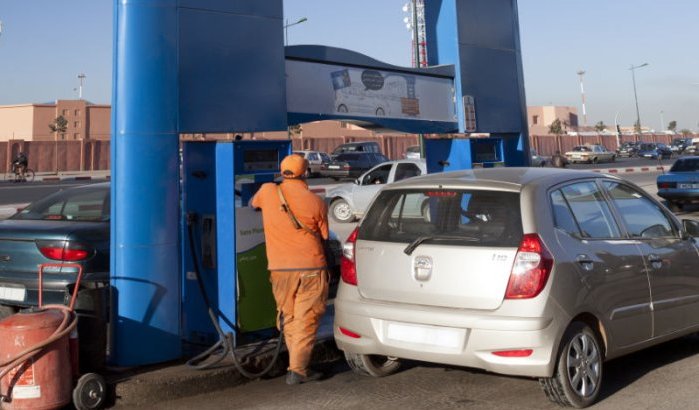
[[540, 118], [30, 122]]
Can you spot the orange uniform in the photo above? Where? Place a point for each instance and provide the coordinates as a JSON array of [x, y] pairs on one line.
[[288, 247], [297, 264]]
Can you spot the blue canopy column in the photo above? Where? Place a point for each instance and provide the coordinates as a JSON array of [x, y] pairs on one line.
[[145, 184], [481, 38]]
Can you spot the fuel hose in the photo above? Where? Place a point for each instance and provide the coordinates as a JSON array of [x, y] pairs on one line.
[[226, 343]]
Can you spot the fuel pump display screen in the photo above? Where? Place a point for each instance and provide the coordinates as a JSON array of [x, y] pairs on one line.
[[255, 160]]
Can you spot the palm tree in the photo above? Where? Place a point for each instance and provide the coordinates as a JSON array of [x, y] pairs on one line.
[[58, 126]]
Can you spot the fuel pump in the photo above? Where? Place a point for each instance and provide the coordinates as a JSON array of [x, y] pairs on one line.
[[226, 292]]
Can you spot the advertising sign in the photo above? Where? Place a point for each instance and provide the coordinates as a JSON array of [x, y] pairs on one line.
[[316, 88]]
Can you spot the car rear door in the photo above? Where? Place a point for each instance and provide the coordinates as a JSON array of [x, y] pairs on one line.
[[609, 265], [463, 251], [672, 263]]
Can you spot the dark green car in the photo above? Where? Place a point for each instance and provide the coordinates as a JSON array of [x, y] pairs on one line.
[[68, 227]]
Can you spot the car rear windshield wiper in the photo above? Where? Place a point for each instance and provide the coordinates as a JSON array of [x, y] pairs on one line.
[[417, 242]]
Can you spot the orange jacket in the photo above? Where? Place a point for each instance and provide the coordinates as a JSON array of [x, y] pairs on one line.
[[289, 248]]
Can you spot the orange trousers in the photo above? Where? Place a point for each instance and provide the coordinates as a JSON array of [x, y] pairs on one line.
[[300, 297]]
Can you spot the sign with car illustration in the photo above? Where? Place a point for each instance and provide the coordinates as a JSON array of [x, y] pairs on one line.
[[360, 92]]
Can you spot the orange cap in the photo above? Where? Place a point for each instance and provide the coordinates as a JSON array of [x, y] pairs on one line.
[[294, 166]]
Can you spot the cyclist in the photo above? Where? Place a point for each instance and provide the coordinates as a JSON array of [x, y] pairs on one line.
[[20, 164]]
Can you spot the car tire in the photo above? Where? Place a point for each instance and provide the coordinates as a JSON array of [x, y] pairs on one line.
[[594, 160], [342, 108], [577, 377], [372, 365], [6, 311], [341, 211], [675, 206], [613, 158]]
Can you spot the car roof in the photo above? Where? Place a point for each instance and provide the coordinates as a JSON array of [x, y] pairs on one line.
[[504, 178]]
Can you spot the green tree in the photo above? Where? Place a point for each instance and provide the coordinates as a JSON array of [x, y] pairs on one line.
[[600, 126], [685, 132], [556, 127], [672, 126], [58, 126]]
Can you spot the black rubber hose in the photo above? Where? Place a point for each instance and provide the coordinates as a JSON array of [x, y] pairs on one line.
[[226, 343]]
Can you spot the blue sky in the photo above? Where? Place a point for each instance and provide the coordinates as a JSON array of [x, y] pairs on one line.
[[45, 44]]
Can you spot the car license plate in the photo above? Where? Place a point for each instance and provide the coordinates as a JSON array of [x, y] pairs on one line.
[[426, 335], [15, 294], [333, 166], [688, 186]]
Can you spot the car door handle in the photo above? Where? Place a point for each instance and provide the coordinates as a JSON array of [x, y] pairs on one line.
[[655, 261], [585, 262]]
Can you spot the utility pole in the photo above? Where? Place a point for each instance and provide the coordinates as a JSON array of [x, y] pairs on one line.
[[635, 94], [581, 73]]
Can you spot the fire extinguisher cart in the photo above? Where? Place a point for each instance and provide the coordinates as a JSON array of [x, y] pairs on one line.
[[39, 359]]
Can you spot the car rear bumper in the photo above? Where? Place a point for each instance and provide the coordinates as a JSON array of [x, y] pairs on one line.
[[677, 194], [473, 336]]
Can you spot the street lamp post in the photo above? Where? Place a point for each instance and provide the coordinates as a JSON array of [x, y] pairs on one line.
[[81, 77], [581, 73], [635, 94], [286, 28]]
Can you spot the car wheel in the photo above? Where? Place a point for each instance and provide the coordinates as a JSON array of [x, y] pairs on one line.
[[594, 160], [577, 378], [6, 311], [380, 112], [308, 173], [613, 158], [372, 365], [341, 211], [674, 206], [342, 108]]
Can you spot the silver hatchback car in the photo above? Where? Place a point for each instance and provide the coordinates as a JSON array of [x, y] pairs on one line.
[[534, 272]]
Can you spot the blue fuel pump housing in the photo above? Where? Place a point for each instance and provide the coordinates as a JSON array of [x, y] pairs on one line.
[[218, 180]]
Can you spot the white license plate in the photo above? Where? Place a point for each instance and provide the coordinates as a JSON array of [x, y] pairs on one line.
[[688, 186], [14, 294], [426, 335], [333, 166]]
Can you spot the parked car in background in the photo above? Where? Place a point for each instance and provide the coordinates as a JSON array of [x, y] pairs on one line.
[[351, 164], [680, 186], [654, 151], [315, 160], [368, 146], [537, 160], [590, 154], [628, 149], [534, 272], [349, 201], [680, 144], [412, 152]]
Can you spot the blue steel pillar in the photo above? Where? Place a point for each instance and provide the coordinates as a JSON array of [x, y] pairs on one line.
[[145, 176]]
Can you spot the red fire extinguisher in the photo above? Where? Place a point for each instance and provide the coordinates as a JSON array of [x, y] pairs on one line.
[[36, 359]]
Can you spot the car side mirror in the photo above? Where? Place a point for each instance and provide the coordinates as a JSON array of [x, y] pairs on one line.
[[690, 228]]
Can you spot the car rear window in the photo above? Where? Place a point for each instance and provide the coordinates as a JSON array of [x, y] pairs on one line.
[[456, 217], [686, 165], [88, 204]]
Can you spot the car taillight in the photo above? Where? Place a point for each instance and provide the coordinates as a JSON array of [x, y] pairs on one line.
[[346, 166], [531, 269], [348, 267], [666, 185], [66, 251]]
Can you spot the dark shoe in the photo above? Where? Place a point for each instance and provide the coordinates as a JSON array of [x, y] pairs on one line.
[[293, 378]]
